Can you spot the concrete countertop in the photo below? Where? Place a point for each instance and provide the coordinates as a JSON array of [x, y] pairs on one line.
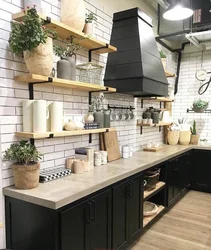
[[58, 193]]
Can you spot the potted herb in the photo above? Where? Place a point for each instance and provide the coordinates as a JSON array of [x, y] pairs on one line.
[[89, 116], [163, 58], [194, 139], [34, 41], [26, 165], [66, 68], [200, 106], [88, 27]]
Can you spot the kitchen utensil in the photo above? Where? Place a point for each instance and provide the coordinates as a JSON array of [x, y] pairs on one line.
[[149, 208], [127, 116], [40, 116], [27, 115], [131, 114], [113, 115]]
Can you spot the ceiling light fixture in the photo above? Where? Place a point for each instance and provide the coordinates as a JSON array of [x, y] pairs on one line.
[[177, 12]]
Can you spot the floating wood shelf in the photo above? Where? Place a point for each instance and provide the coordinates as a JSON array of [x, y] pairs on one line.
[[159, 186], [149, 219], [65, 32], [32, 78], [169, 74], [30, 135], [158, 99], [160, 124]]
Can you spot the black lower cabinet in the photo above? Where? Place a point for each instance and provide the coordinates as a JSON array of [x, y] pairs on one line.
[[186, 166], [201, 172], [127, 213]]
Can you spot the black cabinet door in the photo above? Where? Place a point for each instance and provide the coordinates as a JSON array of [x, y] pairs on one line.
[[201, 179], [185, 172], [127, 213], [100, 226], [75, 223]]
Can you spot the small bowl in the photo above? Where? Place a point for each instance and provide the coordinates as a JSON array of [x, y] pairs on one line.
[[150, 208]]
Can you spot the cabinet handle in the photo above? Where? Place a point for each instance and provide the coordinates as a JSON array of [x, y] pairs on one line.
[[88, 212], [93, 210], [131, 189], [128, 190]]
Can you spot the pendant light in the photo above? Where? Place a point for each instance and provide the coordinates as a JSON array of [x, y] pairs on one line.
[[177, 11]]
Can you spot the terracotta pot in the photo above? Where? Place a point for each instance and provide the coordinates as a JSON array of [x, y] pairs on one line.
[[73, 13], [88, 29], [184, 137], [40, 60], [26, 176], [173, 137], [194, 139]]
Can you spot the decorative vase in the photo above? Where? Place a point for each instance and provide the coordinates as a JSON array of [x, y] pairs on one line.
[[26, 176], [184, 137], [40, 60], [27, 115], [63, 68], [56, 116], [72, 66], [173, 137], [89, 117], [88, 29], [73, 13], [194, 139], [99, 118], [40, 116]]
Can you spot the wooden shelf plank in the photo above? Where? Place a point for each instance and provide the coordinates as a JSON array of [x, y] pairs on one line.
[[149, 219], [29, 135], [169, 74], [64, 31], [158, 99], [160, 124], [63, 83], [159, 186]]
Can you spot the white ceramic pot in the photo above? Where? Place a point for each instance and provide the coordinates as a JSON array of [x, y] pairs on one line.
[[73, 13], [56, 116], [88, 29], [40, 60], [40, 116], [27, 115], [89, 117]]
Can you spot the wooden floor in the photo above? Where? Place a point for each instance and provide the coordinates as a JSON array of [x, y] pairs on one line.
[[187, 226]]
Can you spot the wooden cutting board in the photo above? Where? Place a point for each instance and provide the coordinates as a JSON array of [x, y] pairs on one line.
[[112, 145], [153, 149]]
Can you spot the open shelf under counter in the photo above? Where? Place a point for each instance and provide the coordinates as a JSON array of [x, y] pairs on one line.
[[30, 135], [39, 79], [159, 186], [65, 32], [150, 219]]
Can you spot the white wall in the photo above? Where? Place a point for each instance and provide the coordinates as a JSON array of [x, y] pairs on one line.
[[75, 102]]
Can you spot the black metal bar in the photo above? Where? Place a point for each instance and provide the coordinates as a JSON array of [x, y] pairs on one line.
[[47, 20], [90, 138], [142, 103], [120, 107], [31, 87], [141, 130], [90, 51], [160, 105], [159, 128], [206, 111], [32, 141], [51, 136]]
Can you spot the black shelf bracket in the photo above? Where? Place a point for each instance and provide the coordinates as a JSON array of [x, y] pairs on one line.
[[97, 91], [90, 138], [160, 129], [91, 50], [31, 87], [32, 141], [141, 130], [47, 20]]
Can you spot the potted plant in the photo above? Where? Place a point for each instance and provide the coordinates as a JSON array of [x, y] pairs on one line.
[[200, 106], [89, 116], [66, 68], [26, 167], [163, 58], [88, 27], [31, 38], [194, 139]]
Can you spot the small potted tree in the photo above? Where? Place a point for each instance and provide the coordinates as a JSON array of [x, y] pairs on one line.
[[199, 106], [88, 27], [34, 41], [26, 166], [194, 139]]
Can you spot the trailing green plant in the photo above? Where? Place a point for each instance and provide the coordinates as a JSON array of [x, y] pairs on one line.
[[200, 103], [193, 128], [162, 54], [90, 17], [22, 153], [29, 33], [68, 50]]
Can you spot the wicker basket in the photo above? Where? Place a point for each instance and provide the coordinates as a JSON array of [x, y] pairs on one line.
[[90, 73], [173, 137]]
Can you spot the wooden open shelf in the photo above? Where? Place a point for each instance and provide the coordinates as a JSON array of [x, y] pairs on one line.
[[160, 124], [30, 78], [149, 219], [169, 74], [65, 32], [158, 99], [159, 186], [49, 134]]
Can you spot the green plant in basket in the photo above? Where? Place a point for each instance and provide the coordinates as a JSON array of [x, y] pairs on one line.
[[200, 106], [90, 17]]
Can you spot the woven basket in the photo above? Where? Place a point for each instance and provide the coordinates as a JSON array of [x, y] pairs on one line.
[[173, 137]]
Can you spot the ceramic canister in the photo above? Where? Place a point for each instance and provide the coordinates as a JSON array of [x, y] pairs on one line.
[[40, 115], [56, 112], [27, 115]]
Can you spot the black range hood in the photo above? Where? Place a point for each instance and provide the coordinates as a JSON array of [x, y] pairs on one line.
[[136, 67]]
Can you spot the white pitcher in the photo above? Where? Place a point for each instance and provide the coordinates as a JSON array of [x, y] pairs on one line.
[[56, 116], [40, 116], [27, 115]]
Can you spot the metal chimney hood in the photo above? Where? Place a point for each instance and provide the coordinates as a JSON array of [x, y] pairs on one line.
[[136, 67]]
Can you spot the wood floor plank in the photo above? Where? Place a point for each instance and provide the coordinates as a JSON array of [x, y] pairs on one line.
[[187, 226]]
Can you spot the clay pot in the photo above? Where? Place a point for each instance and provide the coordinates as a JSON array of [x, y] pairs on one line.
[[88, 29], [184, 137], [40, 60], [194, 139], [173, 137], [26, 176], [73, 13]]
